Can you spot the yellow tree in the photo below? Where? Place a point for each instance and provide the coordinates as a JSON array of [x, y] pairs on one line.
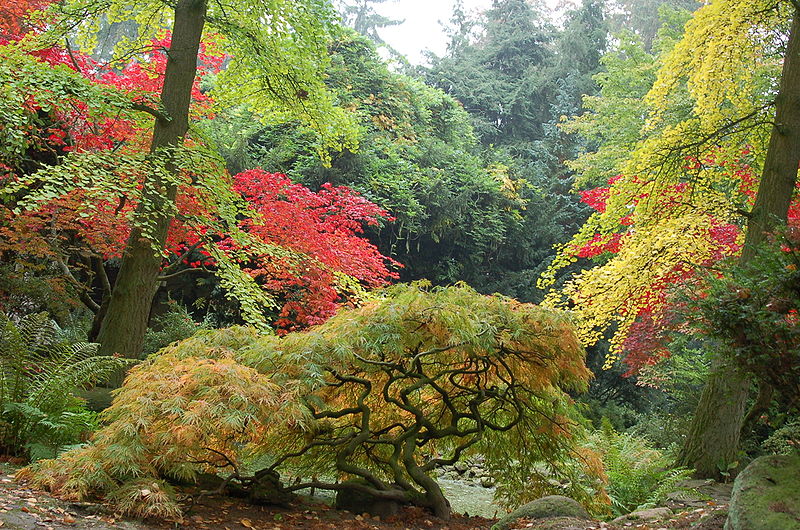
[[713, 121]]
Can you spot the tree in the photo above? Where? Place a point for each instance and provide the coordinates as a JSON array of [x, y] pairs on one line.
[[419, 160], [713, 436], [383, 394], [362, 17], [298, 32], [688, 178], [517, 75], [644, 18]]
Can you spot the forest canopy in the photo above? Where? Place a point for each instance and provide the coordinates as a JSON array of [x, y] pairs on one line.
[[249, 249]]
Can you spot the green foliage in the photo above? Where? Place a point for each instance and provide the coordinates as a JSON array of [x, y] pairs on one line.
[[751, 311], [39, 413], [784, 440], [173, 325], [418, 158], [384, 393], [638, 474]]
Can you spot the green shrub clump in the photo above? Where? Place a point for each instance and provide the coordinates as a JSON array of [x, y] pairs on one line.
[[374, 400], [39, 374]]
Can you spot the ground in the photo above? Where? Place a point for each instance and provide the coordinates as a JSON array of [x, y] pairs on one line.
[[22, 508]]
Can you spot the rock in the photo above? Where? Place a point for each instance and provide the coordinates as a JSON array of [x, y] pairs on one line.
[[559, 523], [461, 467], [269, 491], [766, 495], [487, 482], [357, 501], [650, 514], [546, 507]]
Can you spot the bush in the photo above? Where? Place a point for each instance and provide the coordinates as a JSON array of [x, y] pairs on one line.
[[638, 475], [39, 414], [752, 309], [384, 394], [174, 325], [785, 440]]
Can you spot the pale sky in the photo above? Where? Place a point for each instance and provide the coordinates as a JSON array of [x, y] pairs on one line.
[[421, 29]]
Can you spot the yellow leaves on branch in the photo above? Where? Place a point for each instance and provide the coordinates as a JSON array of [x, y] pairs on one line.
[[614, 293], [709, 118], [722, 59]]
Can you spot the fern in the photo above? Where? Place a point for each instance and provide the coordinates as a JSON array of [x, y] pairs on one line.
[[639, 476], [38, 374]]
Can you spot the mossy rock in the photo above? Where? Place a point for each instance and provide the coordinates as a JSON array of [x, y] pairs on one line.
[[545, 508], [766, 495], [358, 502]]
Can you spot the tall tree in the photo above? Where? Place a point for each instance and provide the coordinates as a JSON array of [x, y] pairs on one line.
[[718, 420], [677, 202], [362, 17], [517, 75], [296, 33]]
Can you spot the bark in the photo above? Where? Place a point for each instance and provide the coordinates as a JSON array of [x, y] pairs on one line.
[[123, 328], [715, 431], [759, 407], [712, 443]]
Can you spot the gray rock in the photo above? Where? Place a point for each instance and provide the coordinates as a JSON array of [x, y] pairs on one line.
[[766, 495], [358, 502], [650, 514], [546, 507], [487, 482], [461, 467]]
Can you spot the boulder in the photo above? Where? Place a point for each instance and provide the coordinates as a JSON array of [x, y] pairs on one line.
[[766, 495], [359, 502], [544, 508], [649, 514]]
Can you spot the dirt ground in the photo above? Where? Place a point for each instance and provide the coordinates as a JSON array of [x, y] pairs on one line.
[[27, 509]]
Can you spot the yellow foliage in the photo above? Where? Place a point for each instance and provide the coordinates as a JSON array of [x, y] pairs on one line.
[[709, 115]]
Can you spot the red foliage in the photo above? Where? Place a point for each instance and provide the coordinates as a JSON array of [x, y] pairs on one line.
[[324, 228], [14, 17], [647, 338]]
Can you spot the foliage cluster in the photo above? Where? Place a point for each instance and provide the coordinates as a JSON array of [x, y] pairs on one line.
[[751, 311], [678, 177], [639, 476], [39, 375], [418, 159], [75, 217], [383, 393]]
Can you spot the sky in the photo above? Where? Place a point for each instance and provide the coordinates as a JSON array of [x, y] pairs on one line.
[[422, 29]]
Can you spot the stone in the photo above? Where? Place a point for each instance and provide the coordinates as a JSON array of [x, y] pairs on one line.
[[487, 482], [544, 508], [766, 495], [357, 501], [650, 514], [461, 467]]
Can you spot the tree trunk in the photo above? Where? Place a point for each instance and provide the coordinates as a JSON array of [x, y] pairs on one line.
[[712, 443], [714, 434], [123, 328]]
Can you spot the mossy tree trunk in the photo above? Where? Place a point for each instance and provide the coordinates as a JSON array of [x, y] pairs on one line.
[[123, 328], [714, 434]]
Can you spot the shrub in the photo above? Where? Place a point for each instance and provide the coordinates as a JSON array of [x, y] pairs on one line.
[[174, 325], [39, 413], [785, 440], [638, 475], [383, 393], [752, 309]]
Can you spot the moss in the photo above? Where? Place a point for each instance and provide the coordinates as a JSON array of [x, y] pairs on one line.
[[766, 495], [544, 508]]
